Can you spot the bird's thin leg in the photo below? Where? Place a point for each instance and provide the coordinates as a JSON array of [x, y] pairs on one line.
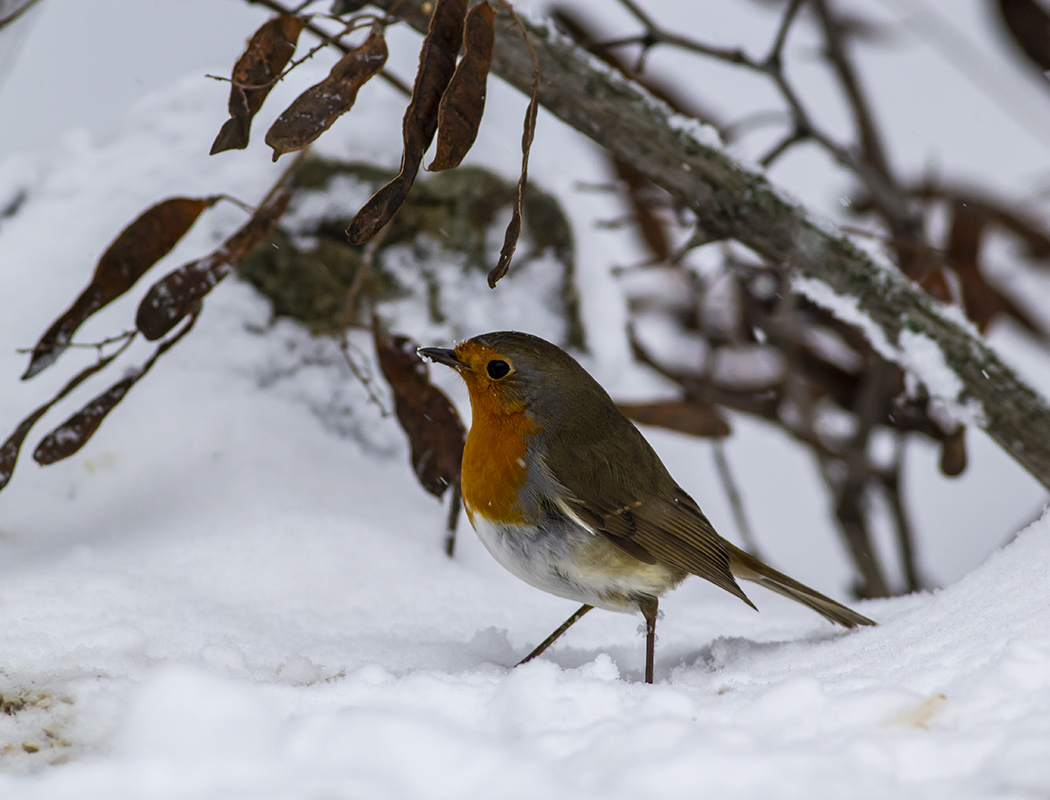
[[649, 607], [561, 629]]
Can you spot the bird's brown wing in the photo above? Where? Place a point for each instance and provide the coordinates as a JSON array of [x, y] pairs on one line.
[[670, 530], [622, 490]]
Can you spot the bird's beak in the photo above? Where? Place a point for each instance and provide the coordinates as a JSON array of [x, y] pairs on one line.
[[441, 355]]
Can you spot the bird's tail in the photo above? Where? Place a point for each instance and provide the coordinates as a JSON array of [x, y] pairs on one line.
[[748, 568]]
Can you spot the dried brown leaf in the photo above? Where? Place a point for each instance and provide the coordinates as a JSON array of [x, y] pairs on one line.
[[982, 301], [1034, 235], [437, 63], [936, 285], [968, 226], [268, 52], [316, 109], [918, 716], [510, 238], [1029, 25], [638, 192], [953, 453], [684, 416], [138, 247], [74, 433], [341, 8], [972, 213], [434, 429], [176, 294], [1025, 227], [11, 447], [967, 230], [463, 103]]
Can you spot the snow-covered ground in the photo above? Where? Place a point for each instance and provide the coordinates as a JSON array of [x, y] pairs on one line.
[[222, 597]]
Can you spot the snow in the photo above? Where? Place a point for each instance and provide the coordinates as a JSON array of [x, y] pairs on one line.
[[918, 353], [924, 361], [846, 309], [237, 588], [696, 130]]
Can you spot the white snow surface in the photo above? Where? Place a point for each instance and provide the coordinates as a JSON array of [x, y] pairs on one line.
[[919, 354], [237, 588]]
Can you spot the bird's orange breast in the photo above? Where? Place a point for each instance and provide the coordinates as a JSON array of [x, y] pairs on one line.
[[495, 457]]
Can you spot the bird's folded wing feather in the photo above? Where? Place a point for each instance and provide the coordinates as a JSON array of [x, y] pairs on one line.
[[630, 498], [670, 530]]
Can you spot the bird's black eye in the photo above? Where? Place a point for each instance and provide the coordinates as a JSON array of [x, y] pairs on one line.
[[497, 368]]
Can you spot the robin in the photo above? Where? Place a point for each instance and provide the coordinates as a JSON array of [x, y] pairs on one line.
[[566, 493]]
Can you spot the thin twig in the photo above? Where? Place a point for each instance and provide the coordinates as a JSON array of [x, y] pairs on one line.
[[883, 191], [327, 38], [777, 49], [361, 373], [18, 12], [891, 482], [124, 338], [351, 25], [797, 136], [510, 240], [362, 281], [736, 504]]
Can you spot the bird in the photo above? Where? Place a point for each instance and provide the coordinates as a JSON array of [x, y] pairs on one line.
[[567, 494]]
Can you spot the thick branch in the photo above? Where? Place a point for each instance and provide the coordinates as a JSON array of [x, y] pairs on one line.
[[731, 202]]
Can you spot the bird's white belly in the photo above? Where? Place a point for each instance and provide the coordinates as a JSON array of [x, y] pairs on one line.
[[572, 562]]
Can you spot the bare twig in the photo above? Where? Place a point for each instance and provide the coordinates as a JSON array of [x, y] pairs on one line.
[[891, 481], [874, 179], [510, 240], [18, 12], [780, 39], [363, 374], [736, 504], [124, 338], [796, 136], [362, 282]]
